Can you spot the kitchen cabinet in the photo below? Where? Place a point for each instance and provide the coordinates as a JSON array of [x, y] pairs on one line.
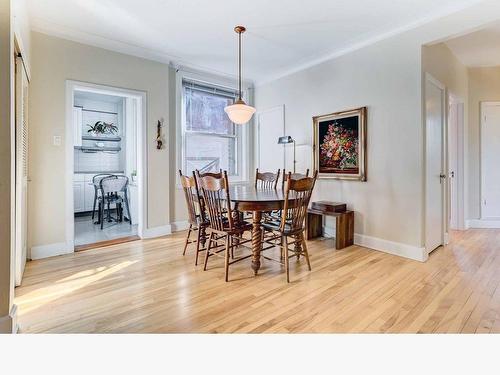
[[89, 193], [78, 196]]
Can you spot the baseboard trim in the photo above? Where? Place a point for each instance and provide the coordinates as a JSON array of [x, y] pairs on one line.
[[51, 250], [8, 323], [179, 225], [390, 247], [483, 224], [160, 231]]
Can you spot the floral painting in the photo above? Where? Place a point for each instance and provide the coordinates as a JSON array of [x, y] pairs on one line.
[[339, 147]]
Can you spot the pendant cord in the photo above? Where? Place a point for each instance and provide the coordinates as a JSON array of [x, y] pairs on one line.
[[239, 63]]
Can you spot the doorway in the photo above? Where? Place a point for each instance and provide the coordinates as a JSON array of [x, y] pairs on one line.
[[105, 129], [435, 179]]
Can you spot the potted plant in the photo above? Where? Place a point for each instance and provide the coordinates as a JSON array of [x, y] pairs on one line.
[[102, 128], [133, 175]]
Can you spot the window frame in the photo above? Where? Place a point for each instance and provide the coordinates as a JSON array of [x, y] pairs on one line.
[[242, 132]]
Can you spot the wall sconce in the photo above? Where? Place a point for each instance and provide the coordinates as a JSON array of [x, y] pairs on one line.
[[159, 142]]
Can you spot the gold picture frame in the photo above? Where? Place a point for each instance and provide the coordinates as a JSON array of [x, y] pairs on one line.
[[339, 145]]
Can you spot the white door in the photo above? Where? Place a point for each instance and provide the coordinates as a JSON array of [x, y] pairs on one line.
[[490, 157], [21, 170], [271, 126], [435, 181], [453, 164]]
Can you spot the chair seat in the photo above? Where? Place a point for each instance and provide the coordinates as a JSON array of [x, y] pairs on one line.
[[275, 226]]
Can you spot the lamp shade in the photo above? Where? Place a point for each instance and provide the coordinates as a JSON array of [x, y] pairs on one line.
[[285, 140], [239, 112]]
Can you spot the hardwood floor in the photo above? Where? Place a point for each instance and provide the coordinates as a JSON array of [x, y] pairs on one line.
[[148, 286]]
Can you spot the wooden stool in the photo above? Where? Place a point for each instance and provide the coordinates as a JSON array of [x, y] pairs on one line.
[[344, 222]]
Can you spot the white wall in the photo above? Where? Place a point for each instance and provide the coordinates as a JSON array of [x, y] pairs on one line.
[[386, 78], [53, 62], [7, 321]]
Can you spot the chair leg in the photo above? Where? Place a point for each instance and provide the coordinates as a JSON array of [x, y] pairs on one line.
[[284, 241], [208, 251], [198, 241], [304, 250], [226, 256], [187, 239], [93, 209], [101, 209], [128, 208]]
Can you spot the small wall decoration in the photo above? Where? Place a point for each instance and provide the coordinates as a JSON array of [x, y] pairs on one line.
[[339, 145], [159, 141]]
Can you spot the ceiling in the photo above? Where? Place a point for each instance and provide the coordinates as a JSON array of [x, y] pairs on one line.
[[283, 35], [480, 48]]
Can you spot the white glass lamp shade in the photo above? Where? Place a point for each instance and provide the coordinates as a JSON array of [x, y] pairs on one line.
[[239, 112]]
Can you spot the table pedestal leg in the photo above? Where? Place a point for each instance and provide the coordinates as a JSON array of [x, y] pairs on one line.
[[256, 241], [297, 248]]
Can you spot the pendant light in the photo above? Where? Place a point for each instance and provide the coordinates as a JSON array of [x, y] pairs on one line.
[[239, 112]]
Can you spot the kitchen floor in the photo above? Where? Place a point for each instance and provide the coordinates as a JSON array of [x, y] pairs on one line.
[[86, 232]]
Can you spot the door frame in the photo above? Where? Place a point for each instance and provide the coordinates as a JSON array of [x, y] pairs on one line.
[[444, 164], [460, 179], [141, 96], [483, 105]]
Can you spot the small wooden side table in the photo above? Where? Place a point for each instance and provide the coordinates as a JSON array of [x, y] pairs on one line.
[[344, 223]]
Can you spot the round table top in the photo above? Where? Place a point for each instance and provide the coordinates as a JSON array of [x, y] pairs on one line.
[[248, 193]]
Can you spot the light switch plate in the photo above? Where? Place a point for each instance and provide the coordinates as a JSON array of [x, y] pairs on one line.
[[57, 140]]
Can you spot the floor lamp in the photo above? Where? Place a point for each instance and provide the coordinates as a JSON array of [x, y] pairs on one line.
[[285, 140]]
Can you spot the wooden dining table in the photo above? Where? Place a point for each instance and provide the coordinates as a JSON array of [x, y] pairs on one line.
[[248, 198]]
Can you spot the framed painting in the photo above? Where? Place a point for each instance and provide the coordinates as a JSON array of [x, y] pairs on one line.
[[339, 145]]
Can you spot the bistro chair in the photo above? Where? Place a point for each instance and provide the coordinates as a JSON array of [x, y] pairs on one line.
[[196, 215], [292, 224], [221, 224], [266, 180], [96, 180], [114, 190]]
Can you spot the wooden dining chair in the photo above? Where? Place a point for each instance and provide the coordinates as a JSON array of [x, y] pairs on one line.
[[211, 174], [293, 176], [222, 227], [196, 215], [297, 196], [266, 180]]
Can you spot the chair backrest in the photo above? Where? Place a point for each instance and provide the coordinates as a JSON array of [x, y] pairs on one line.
[[96, 180], [192, 196], [297, 196], [266, 180], [294, 176], [114, 183], [210, 174], [215, 191]]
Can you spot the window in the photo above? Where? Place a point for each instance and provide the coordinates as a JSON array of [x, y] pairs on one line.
[[210, 140]]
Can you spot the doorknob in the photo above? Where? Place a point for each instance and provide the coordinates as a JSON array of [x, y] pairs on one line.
[[452, 174], [441, 177]]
